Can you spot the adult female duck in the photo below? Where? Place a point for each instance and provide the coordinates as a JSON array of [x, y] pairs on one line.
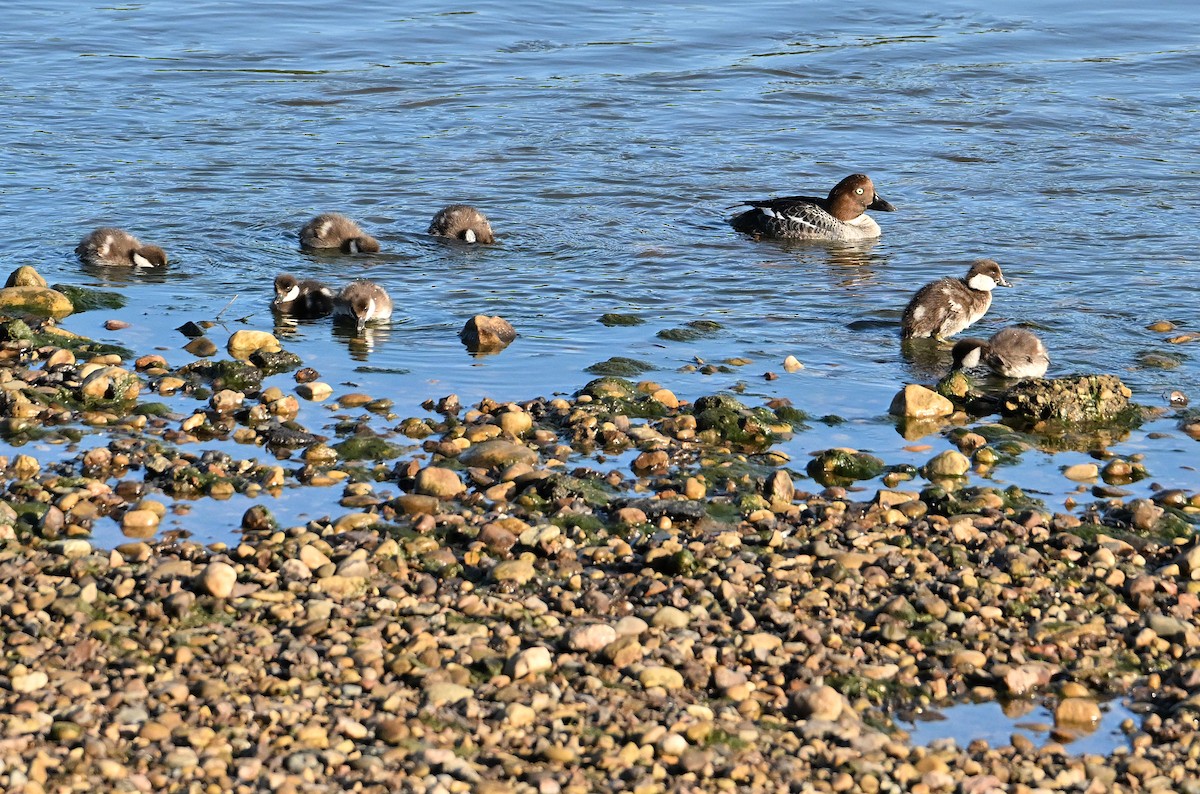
[[842, 216]]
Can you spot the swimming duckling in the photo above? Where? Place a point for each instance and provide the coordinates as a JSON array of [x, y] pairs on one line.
[[462, 222], [308, 298], [361, 302], [110, 246], [841, 216], [332, 230], [944, 307], [1011, 352]]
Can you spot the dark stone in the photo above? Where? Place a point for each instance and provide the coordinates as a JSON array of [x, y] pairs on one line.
[[273, 363], [483, 334]]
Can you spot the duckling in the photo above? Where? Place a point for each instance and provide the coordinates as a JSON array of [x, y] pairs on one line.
[[332, 230], [462, 222], [361, 302], [1011, 352], [110, 246], [944, 307], [308, 298], [841, 216]]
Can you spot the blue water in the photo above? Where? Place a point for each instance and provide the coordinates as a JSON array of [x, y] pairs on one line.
[[997, 724], [606, 145]]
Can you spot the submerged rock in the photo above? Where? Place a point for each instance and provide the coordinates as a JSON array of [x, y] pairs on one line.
[[1084, 398], [843, 466], [483, 334], [85, 298]]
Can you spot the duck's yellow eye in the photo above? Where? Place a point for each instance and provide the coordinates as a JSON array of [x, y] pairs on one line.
[[858, 190]]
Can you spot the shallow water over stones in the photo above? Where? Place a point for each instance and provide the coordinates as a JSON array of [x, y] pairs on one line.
[[996, 724]]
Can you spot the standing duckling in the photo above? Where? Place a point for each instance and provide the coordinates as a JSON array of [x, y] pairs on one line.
[[462, 222], [944, 307], [841, 216], [1011, 352], [308, 298], [110, 246], [361, 302], [331, 230]]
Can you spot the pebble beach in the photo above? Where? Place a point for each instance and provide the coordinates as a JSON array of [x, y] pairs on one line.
[[690, 610]]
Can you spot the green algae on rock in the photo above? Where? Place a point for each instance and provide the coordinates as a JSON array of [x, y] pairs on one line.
[[843, 466], [272, 362], [35, 300], [368, 447], [85, 299], [620, 366], [612, 320], [226, 374], [1083, 398], [696, 329]]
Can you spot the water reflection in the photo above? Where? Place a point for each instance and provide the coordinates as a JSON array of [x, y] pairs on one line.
[[996, 723], [111, 275], [848, 265], [926, 359], [361, 343]]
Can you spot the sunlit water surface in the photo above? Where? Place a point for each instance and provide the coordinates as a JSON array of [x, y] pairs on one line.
[[607, 145]]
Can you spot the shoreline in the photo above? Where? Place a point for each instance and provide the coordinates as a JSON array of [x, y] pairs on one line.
[[671, 613]]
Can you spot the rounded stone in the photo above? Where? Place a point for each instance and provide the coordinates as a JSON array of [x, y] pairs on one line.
[[33, 681], [670, 618], [1077, 711], [530, 661], [665, 677], [244, 343], [316, 391], [519, 571], [591, 637], [110, 383], [438, 481], [497, 453], [820, 703], [135, 522], [950, 463], [35, 300], [25, 276], [444, 693], [918, 402], [516, 423], [218, 579], [1081, 472], [226, 401]]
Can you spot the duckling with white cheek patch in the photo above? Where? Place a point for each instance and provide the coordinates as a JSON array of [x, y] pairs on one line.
[[361, 302], [333, 230], [111, 246], [1011, 353], [946, 306], [308, 298], [462, 222]]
